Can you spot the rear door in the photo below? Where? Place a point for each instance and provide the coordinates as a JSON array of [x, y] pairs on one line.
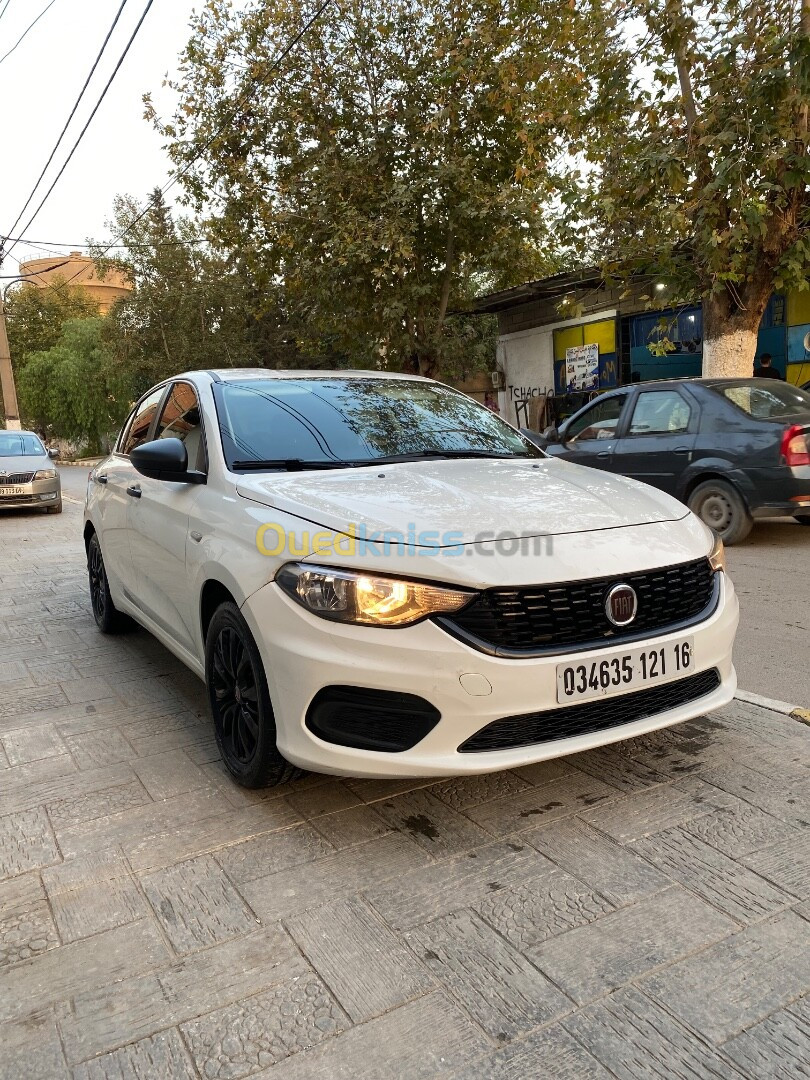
[[589, 437], [115, 479], [658, 438]]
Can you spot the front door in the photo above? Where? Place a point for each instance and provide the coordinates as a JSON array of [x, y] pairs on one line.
[[657, 445], [159, 525], [590, 437]]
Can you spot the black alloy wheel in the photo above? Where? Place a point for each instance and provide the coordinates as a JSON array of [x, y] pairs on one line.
[[240, 703], [108, 618], [233, 684]]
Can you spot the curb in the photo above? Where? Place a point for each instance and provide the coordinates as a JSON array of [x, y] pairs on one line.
[[795, 712]]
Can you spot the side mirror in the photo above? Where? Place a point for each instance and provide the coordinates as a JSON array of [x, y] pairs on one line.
[[165, 459], [552, 434], [53, 452]]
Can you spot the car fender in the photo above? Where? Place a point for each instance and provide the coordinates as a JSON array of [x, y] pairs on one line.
[[707, 467]]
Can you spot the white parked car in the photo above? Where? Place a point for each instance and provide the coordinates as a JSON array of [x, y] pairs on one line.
[[377, 576]]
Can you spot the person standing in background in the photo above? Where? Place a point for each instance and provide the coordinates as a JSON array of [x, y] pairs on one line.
[[763, 369], [491, 403]]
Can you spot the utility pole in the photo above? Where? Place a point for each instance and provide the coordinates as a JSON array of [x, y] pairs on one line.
[[7, 387]]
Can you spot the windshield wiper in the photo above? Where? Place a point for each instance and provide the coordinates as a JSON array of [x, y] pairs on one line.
[[290, 464], [419, 455]]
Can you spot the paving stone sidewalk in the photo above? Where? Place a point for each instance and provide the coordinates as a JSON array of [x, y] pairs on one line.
[[637, 911]]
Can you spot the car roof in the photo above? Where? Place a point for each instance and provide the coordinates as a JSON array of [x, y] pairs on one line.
[[241, 374], [10, 431]]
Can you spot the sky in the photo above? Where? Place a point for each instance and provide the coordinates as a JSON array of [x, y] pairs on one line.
[[39, 83]]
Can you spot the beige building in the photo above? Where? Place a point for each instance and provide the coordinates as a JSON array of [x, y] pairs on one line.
[[79, 270]]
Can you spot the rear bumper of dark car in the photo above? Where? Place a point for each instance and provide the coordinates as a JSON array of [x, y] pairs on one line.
[[779, 491]]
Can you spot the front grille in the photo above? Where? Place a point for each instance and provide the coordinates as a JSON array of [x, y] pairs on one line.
[[591, 716], [17, 478], [18, 499], [553, 618]]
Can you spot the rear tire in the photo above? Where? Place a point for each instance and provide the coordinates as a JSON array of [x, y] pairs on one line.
[[108, 618], [719, 505], [244, 723]]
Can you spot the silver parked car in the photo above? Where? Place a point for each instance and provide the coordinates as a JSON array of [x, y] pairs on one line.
[[27, 474]]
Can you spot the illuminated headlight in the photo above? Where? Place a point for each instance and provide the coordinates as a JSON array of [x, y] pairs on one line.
[[717, 556], [351, 597], [45, 474]]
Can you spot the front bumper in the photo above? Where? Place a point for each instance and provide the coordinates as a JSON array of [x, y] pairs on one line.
[[303, 654], [34, 493]]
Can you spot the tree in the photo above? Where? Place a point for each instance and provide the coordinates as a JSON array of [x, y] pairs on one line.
[[694, 168], [191, 306], [36, 316], [386, 167], [74, 388]]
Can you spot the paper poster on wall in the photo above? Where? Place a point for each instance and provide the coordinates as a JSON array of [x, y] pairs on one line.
[[582, 368]]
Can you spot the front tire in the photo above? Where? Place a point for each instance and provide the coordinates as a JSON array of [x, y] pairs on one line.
[[720, 506], [57, 509], [108, 618], [244, 723], [802, 520]]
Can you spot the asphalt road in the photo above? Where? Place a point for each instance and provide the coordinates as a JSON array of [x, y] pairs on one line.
[[771, 572]]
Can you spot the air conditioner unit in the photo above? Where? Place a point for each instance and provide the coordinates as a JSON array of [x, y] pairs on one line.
[[498, 380]]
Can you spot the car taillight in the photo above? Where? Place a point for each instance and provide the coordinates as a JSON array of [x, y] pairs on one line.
[[795, 447]]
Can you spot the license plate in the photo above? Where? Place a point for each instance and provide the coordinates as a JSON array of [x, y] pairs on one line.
[[623, 671], [12, 491]]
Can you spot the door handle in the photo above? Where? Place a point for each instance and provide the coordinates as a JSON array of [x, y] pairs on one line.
[[101, 478], [603, 454], [681, 449], [196, 536], [134, 491]]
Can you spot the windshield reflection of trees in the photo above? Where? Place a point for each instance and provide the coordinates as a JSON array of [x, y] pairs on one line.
[[382, 419]]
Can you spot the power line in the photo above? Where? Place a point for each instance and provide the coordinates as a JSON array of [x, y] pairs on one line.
[[27, 29], [72, 114], [2, 13], [36, 273], [239, 101], [51, 244], [90, 118], [250, 86], [246, 91]]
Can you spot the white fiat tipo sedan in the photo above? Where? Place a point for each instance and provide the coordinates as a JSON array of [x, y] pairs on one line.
[[376, 576]]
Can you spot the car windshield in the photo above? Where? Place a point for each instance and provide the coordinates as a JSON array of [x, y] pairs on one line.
[[331, 422], [765, 400], [19, 444]]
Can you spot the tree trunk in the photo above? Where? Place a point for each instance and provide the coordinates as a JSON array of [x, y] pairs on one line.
[[730, 331]]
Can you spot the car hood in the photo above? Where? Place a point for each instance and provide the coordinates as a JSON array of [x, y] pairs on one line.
[[24, 463], [464, 501]]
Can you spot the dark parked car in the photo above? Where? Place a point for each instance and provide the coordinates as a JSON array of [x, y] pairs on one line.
[[732, 449]]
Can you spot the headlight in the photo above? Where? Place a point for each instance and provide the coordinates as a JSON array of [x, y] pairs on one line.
[[45, 474], [352, 597], [717, 556]]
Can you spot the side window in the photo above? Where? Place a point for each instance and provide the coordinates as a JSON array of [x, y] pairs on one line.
[[141, 421], [181, 420], [599, 421], [660, 412]]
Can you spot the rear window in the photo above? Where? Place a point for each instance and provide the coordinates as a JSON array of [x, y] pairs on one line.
[[775, 400]]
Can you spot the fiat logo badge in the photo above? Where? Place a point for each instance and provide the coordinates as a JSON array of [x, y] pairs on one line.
[[621, 605]]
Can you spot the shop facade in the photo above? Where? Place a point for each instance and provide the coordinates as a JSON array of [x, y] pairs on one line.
[[547, 364]]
